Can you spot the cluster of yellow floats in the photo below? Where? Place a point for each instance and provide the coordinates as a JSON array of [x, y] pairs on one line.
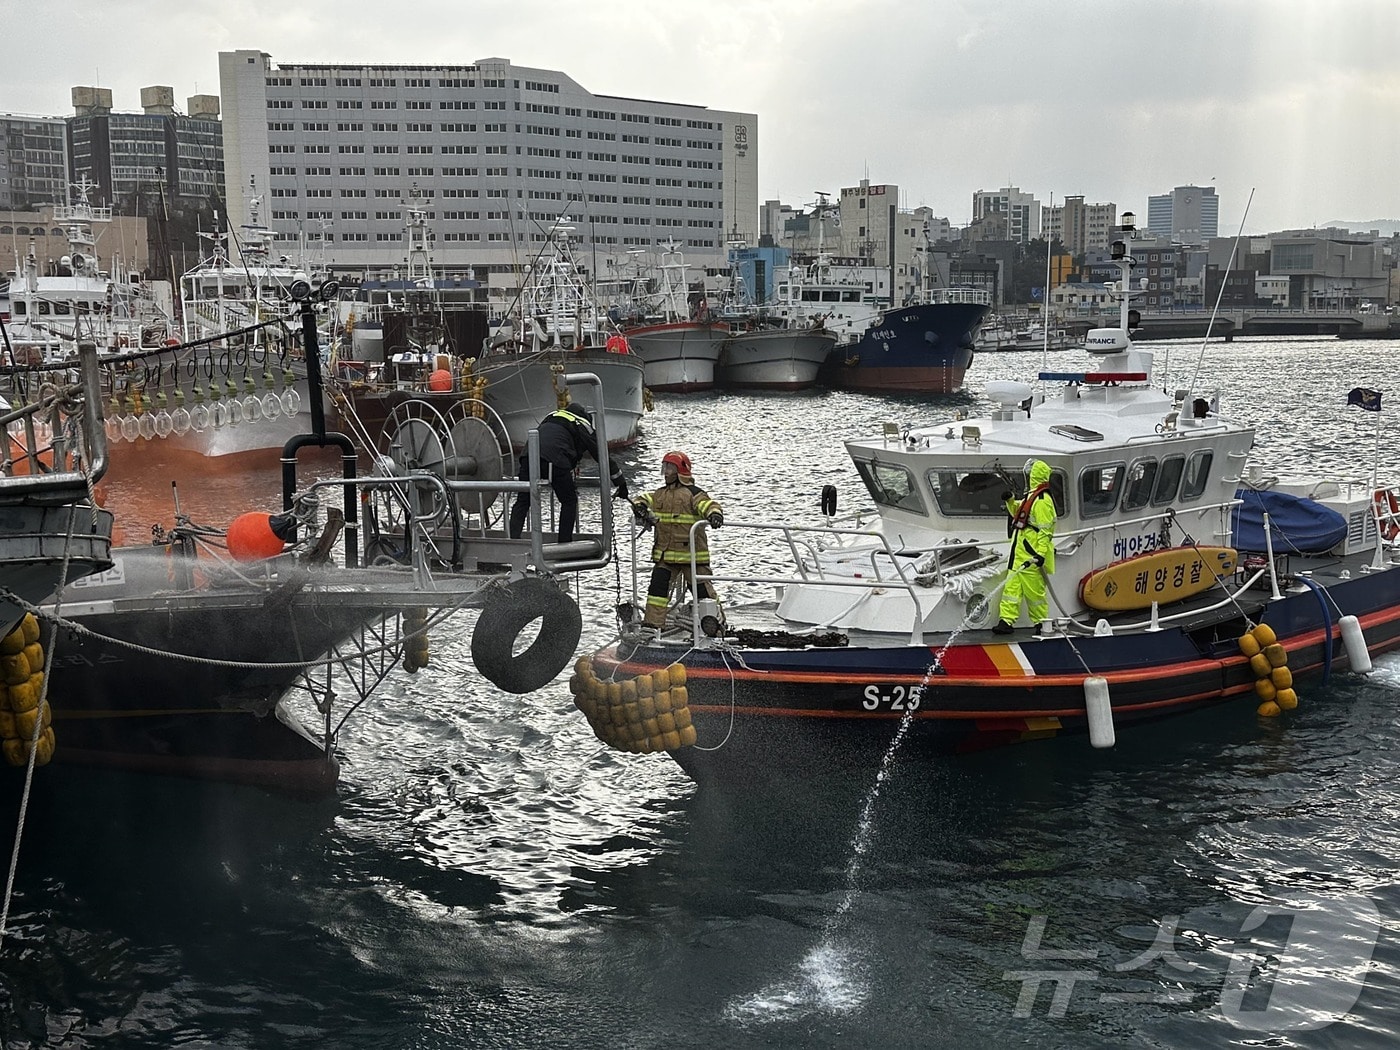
[[1269, 662], [641, 715], [22, 663]]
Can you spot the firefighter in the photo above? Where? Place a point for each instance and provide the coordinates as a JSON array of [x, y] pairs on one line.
[[673, 509]]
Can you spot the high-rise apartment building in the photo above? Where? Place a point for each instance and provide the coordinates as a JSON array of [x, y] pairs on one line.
[[1020, 211], [1187, 215], [33, 162], [1081, 227], [501, 152], [129, 155]]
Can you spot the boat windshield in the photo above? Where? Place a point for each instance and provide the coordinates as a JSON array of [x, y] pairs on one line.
[[891, 485], [978, 494]]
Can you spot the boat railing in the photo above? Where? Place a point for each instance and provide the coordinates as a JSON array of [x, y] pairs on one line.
[[901, 578], [432, 507], [43, 457], [1068, 541]]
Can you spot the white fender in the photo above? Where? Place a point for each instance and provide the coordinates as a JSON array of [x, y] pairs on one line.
[[1100, 711], [1357, 654]]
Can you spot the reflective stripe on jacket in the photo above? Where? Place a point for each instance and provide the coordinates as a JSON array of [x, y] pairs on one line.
[[676, 508]]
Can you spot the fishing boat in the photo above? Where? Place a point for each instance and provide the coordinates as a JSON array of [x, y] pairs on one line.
[[190, 654], [773, 358], [231, 386], [48, 314], [1182, 578], [1009, 334], [922, 346], [677, 343], [51, 533], [556, 331]]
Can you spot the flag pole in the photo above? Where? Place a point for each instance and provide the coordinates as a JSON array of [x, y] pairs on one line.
[[1376, 455]]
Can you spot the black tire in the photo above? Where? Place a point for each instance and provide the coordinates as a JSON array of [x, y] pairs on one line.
[[508, 612]]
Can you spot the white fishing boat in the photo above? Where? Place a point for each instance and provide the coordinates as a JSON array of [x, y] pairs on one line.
[[556, 331], [48, 314], [233, 386], [773, 358], [677, 343]]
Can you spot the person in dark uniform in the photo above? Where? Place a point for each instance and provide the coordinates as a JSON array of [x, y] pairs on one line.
[[566, 436]]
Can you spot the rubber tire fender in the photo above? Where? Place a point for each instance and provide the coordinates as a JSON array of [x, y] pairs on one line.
[[508, 612]]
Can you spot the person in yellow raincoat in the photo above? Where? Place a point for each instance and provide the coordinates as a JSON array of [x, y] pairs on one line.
[[673, 509], [1032, 551]]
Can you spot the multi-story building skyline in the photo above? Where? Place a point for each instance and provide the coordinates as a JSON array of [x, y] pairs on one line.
[[1187, 215], [33, 162], [500, 152], [1081, 227], [1019, 211], [129, 155]]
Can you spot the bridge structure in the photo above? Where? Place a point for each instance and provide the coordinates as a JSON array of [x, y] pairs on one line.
[[1188, 323]]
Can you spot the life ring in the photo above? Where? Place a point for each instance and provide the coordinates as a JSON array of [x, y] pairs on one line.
[[1387, 513], [508, 612]]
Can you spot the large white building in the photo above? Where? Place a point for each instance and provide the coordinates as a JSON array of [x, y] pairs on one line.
[[1187, 215], [500, 151]]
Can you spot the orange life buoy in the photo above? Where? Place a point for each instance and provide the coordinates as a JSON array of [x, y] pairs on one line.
[[1387, 513]]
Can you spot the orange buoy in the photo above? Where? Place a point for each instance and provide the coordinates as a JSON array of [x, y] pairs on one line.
[[440, 380], [250, 537]]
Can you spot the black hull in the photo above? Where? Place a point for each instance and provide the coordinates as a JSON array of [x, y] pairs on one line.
[[184, 685]]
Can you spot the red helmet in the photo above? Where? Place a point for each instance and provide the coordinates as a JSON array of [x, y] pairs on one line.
[[679, 460]]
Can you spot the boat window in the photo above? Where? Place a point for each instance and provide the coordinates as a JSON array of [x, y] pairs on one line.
[[20, 308], [1167, 480], [1142, 477], [61, 308], [891, 485], [962, 494], [1098, 489], [1197, 474], [853, 296], [1021, 486], [44, 308]]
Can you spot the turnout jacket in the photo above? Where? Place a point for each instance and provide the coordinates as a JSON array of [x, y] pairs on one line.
[[676, 507]]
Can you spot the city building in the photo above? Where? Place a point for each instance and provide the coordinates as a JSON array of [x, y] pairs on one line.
[[135, 158], [1019, 211], [33, 162], [500, 151], [864, 227], [1081, 227], [1187, 215], [1328, 272]]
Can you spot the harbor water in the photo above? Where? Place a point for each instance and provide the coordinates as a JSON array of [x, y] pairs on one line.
[[490, 875]]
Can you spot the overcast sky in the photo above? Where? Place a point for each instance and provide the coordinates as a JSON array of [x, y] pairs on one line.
[[1296, 100]]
